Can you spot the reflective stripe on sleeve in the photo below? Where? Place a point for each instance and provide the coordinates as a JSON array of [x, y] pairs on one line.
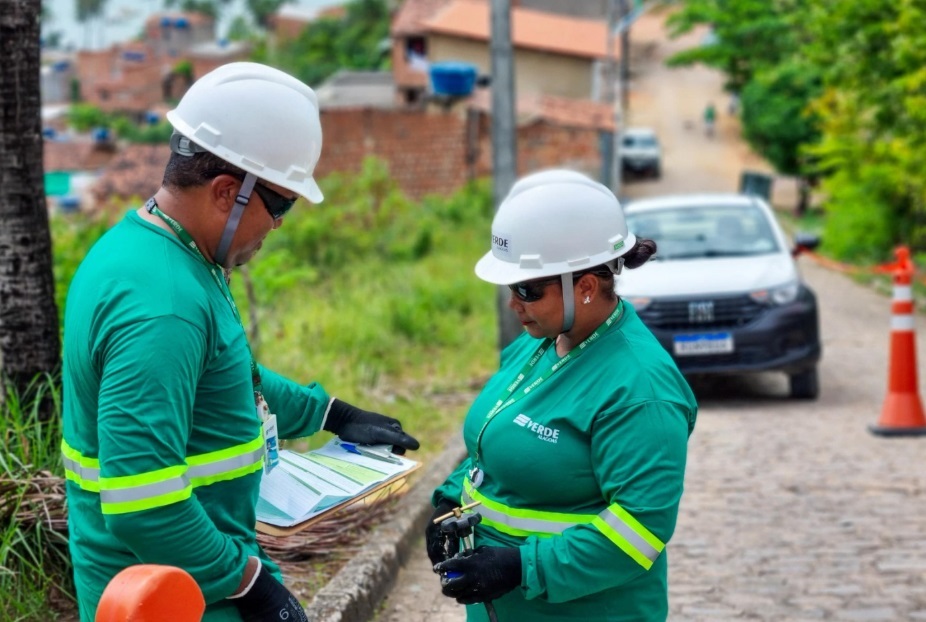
[[85, 472], [629, 535], [517, 522], [231, 463], [615, 523], [146, 491]]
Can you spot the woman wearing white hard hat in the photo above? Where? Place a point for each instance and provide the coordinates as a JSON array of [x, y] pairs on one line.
[[577, 445]]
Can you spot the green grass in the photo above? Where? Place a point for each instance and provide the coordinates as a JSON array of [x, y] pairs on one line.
[[33, 555]]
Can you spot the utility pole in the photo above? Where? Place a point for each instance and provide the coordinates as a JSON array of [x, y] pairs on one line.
[[504, 141], [620, 17], [618, 88]]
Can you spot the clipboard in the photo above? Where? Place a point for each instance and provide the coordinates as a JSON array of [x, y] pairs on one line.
[[397, 484]]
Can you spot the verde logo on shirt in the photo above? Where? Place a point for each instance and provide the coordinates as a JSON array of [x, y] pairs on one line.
[[550, 435]]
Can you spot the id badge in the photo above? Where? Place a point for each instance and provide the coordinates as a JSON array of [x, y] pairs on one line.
[[268, 426]]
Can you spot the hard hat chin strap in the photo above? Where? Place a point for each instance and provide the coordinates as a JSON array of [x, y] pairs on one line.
[[231, 225], [569, 304]]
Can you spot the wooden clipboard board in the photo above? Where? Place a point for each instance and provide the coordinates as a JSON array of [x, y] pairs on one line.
[[397, 484]]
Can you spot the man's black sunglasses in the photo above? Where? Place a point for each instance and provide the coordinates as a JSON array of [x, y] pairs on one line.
[[532, 291], [277, 205]]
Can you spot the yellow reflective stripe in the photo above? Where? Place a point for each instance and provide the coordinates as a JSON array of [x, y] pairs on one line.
[[520, 522], [131, 493], [147, 504], [228, 475], [227, 464], [222, 454], [615, 523], [629, 535], [144, 491], [85, 472]]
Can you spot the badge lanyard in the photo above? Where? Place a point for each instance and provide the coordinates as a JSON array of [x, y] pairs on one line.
[[512, 394], [268, 420]]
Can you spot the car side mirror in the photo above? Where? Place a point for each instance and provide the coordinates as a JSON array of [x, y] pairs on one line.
[[804, 242]]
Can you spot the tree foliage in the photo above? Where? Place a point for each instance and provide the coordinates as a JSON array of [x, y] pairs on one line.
[[873, 112], [329, 44], [745, 35], [776, 118], [834, 89]]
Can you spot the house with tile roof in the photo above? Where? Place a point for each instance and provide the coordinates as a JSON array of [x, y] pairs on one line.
[[136, 76], [555, 54]]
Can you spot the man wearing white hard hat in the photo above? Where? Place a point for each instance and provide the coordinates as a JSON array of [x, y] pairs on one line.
[[577, 445], [166, 413]]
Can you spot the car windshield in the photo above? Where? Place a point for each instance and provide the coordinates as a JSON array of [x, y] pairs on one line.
[[640, 141], [706, 231]]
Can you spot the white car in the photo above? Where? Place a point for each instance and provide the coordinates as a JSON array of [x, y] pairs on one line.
[[723, 293], [640, 152]]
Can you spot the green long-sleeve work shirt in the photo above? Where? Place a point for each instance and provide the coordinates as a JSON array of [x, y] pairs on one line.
[[162, 441], [605, 436]]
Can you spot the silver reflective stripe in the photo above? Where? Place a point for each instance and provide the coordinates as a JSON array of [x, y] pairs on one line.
[[524, 524], [629, 534], [145, 491], [85, 473], [229, 464]]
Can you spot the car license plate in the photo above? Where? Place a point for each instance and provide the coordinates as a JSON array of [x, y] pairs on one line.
[[703, 343]]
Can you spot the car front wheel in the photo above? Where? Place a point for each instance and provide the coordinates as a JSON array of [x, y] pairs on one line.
[[804, 385]]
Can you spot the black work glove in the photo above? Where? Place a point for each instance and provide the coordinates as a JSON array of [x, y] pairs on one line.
[[354, 425], [268, 601], [487, 573], [441, 546]]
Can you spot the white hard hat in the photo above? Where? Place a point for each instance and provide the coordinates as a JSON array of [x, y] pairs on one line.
[[554, 222], [258, 118]]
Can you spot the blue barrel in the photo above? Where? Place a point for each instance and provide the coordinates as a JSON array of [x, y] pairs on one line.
[[69, 203], [455, 79]]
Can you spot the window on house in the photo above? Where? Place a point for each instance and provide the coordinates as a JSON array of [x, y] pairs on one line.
[[416, 46]]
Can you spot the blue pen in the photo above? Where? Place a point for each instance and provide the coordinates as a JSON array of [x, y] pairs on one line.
[[360, 451]]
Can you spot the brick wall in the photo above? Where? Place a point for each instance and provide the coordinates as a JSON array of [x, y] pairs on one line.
[[426, 152], [543, 145]]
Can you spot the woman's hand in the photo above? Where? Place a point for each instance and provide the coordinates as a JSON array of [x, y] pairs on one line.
[[489, 572], [441, 546]]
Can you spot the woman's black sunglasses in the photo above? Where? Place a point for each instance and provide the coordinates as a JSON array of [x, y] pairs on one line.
[[532, 291]]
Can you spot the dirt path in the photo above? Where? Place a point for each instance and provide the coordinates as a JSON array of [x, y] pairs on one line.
[[673, 101]]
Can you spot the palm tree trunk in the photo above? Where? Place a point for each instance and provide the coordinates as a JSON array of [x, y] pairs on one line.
[[29, 332]]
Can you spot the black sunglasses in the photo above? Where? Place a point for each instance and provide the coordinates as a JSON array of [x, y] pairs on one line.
[[532, 291], [277, 205]]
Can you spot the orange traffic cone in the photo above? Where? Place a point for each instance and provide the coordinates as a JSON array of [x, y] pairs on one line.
[[902, 413], [151, 593]]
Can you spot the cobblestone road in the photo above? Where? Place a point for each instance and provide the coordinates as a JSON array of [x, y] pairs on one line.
[[792, 511]]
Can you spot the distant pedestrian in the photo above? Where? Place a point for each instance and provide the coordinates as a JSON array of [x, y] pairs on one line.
[[710, 117]]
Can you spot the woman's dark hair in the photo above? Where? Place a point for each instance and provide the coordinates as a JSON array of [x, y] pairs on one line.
[[640, 253], [634, 258], [184, 171]]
